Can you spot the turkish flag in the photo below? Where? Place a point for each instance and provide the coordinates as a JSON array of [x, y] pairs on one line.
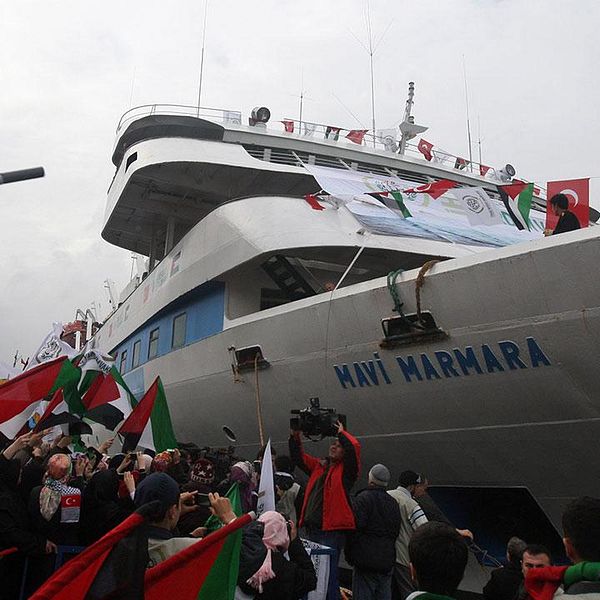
[[578, 193], [288, 125], [357, 135], [483, 169], [425, 148], [435, 189]]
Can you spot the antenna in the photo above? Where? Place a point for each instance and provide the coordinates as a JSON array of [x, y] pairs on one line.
[[479, 138], [468, 121], [301, 101], [202, 57], [371, 49]]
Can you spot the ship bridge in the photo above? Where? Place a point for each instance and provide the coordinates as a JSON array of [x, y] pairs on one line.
[[175, 164]]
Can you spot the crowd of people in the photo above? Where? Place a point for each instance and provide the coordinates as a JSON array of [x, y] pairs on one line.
[[396, 539]]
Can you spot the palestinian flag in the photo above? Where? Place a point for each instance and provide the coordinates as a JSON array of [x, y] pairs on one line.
[[517, 199], [55, 413], [75, 578], [149, 424], [19, 394], [397, 196], [435, 189], [206, 570], [105, 395]]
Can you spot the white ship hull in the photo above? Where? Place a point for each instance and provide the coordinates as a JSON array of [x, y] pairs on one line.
[[530, 422]]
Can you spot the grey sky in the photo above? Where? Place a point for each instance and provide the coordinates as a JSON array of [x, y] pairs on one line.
[[69, 70]]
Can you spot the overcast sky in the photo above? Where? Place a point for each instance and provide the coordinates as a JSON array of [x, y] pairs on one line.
[[69, 69]]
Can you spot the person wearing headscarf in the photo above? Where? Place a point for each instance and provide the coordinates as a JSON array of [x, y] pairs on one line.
[[101, 508], [55, 506], [243, 474], [265, 573]]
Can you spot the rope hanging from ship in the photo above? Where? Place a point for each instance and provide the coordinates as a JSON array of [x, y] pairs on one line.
[[420, 281], [395, 294]]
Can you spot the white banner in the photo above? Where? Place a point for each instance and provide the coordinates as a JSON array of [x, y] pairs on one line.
[[442, 219], [478, 206], [52, 347], [266, 490], [321, 565]]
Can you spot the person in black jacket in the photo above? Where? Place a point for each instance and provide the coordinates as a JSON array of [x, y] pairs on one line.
[[567, 221], [16, 530], [370, 549], [505, 581], [265, 573]]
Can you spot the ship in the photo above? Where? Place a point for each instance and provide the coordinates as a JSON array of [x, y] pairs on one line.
[[465, 353]]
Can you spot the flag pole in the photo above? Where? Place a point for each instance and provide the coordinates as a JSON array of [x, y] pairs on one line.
[[261, 430]]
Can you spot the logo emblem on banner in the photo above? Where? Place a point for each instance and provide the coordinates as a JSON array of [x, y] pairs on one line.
[[473, 204]]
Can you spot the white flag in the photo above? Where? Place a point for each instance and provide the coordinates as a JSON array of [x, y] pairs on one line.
[[479, 207], [266, 489], [52, 347], [309, 128]]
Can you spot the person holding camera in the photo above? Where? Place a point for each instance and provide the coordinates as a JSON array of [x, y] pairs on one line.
[[326, 511]]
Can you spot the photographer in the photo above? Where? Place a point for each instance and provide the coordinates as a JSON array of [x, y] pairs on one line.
[[326, 511]]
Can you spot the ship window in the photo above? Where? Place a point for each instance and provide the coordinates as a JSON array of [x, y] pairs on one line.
[[130, 159], [153, 345], [137, 348], [123, 364], [178, 339]]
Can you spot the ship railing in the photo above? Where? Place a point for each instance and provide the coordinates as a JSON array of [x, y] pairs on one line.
[[220, 115]]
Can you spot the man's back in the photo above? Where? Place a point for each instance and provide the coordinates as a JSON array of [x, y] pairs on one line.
[[372, 546], [411, 516]]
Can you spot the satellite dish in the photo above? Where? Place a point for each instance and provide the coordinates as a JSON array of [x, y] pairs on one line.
[[229, 434]]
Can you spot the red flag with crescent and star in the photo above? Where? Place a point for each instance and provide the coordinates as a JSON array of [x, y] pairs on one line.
[[435, 189], [578, 193], [425, 148]]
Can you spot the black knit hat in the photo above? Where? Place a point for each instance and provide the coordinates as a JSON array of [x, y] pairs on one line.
[[409, 478], [157, 487]]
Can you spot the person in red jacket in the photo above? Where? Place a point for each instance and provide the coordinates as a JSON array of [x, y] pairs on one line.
[[326, 512]]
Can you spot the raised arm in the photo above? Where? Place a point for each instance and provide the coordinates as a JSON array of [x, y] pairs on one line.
[[351, 456], [305, 462]]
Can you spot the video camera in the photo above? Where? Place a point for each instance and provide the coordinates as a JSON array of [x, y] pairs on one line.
[[316, 422]]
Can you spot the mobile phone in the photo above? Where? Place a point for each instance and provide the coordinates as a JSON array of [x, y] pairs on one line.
[[202, 500]]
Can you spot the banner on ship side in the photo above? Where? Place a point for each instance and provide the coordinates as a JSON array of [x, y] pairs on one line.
[[442, 219]]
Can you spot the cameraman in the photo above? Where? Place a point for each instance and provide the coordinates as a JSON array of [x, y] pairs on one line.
[[326, 510]]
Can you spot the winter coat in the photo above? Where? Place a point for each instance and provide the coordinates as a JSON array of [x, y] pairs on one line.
[[294, 578], [341, 476], [504, 583], [372, 546]]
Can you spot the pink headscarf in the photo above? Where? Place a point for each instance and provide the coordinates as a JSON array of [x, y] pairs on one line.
[[275, 537]]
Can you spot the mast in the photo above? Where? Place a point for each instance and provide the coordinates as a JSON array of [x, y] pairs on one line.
[[371, 52], [408, 128]]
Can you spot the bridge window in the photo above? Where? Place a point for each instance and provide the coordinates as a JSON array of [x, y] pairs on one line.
[[123, 363]]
